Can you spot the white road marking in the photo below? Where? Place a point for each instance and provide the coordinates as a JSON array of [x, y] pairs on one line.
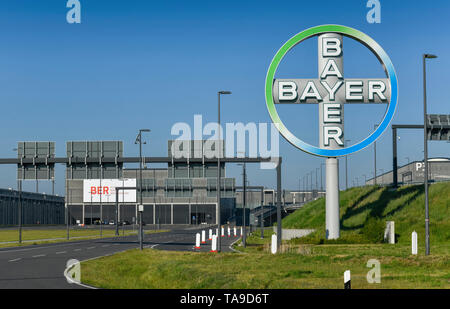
[[61, 252], [90, 248], [39, 255], [105, 246], [15, 260], [77, 250]]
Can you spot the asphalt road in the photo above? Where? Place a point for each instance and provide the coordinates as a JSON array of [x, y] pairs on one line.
[[42, 266]]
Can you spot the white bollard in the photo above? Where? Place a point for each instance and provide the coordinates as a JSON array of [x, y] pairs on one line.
[[197, 241], [203, 237], [347, 280], [223, 232], [229, 232], [217, 232], [214, 244], [274, 244], [414, 243], [235, 232], [241, 231], [210, 234]]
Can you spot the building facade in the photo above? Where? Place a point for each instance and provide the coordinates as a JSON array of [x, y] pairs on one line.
[[182, 193], [36, 208], [413, 173]]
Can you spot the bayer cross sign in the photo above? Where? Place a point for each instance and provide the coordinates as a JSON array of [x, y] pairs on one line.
[[330, 91]]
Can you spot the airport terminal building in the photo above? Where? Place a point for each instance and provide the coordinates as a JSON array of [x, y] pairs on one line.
[[183, 193]]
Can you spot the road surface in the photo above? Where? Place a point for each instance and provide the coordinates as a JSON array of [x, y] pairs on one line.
[[42, 266]]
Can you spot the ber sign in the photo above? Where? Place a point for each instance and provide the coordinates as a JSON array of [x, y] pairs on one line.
[[104, 190], [330, 91]]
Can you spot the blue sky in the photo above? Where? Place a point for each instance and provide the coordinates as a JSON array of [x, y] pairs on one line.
[[139, 64]]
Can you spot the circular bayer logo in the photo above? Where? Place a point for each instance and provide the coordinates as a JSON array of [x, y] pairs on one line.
[[330, 90]]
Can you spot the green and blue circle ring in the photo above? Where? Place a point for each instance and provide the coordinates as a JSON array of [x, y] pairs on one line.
[[369, 43]]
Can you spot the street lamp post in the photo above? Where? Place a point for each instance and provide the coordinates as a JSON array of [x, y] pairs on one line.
[[306, 186], [218, 149], [346, 168], [321, 176], [139, 140], [317, 186], [425, 153], [375, 158], [244, 202]]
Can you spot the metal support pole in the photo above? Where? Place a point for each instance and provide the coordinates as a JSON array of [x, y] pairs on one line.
[[101, 205], [141, 234], [219, 241], [279, 230], [306, 187], [425, 154], [317, 186], [346, 167], [244, 201], [20, 211], [346, 172], [262, 210], [117, 212], [321, 176], [332, 198], [68, 213], [375, 162], [394, 157]]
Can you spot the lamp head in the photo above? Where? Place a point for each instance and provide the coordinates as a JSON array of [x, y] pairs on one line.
[[224, 92], [429, 56]]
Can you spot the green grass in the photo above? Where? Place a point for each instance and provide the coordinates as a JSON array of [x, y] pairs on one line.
[[405, 206], [308, 266], [40, 236], [309, 262]]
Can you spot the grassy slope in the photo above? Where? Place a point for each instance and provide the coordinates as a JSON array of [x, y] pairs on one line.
[[405, 206]]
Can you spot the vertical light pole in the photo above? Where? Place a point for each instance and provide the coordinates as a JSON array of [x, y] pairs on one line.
[[321, 176], [139, 140], [375, 158], [306, 187], [425, 153], [346, 167], [244, 202], [218, 149], [19, 184], [317, 185]]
